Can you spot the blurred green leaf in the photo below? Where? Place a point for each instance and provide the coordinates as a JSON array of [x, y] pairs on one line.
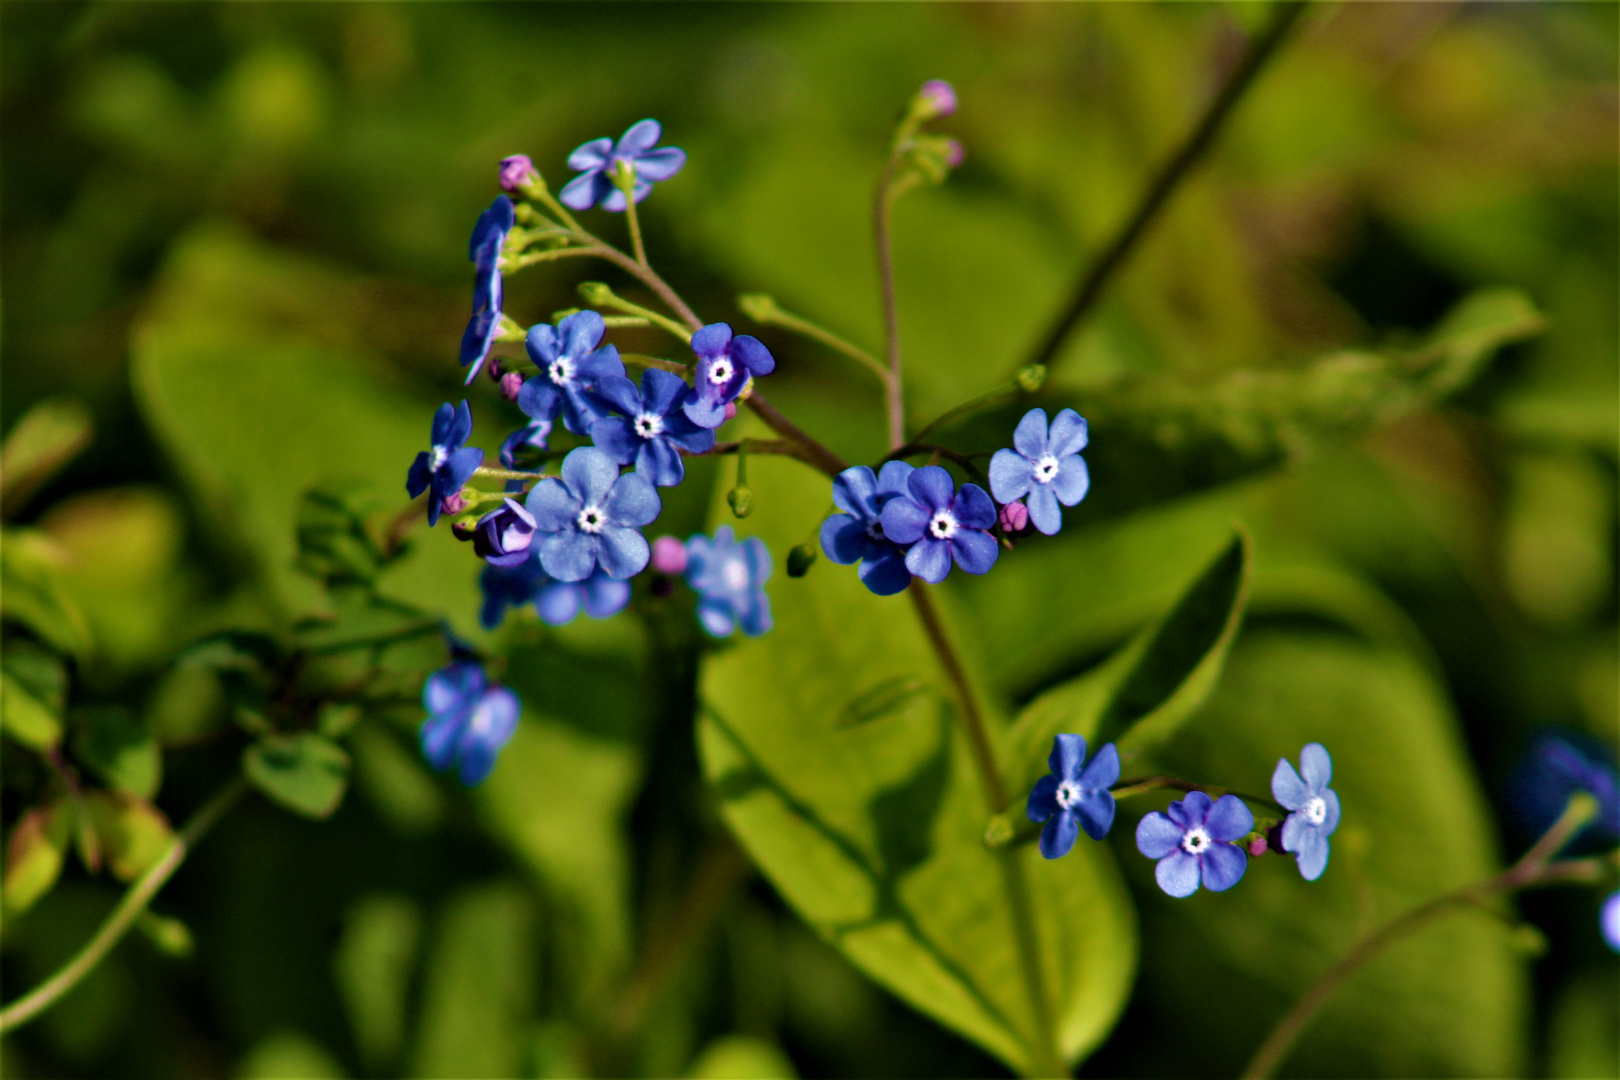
[[289, 1055], [874, 833], [304, 772], [25, 718], [31, 591], [133, 834], [741, 1057], [117, 747], [34, 854], [373, 965], [47, 437], [480, 985], [1147, 690], [1583, 1040], [395, 781], [171, 936], [333, 544]]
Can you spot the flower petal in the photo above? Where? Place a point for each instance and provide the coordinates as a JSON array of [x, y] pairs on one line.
[[632, 502], [1177, 874], [541, 345], [1068, 434], [1102, 772], [638, 138], [580, 332], [1096, 812], [975, 552], [749, 352], [885, 574], [596, 366], [1044, 512], [568, 556], [716, 618], [1010, 475], [1190, 811], [660, 164], [1316, 766], [662, 391], [905, 521], [488, 728], [539, 399], [1223, 866], [621, 394], [1068, 754], [591, 155], [558, 603], [853, 491], [1157, 836], [553, 506], [1330, 820], [844, 539], [605, 596], [932, 487], [1286, 786], [1229, 819], [460, 467], [438, 737], [659, 462], [616, 437], [590, 474], [1042, 802], [1030, 435], [622, 552], [892, 480], [443, 417], [1313, 854], [585, 190], [710, 342], [930, 560], [1072, 481], [1057, 839], [972, 508], [419, 476], [452, 688]]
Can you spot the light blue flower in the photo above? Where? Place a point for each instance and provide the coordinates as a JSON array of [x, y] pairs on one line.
[[570, 366], [1314, 806], [597, 159], [469, 720], [1073, 797], [729, 578], [488, 236], [942, 525], [1192, 840], [1045, 465], [653, 430], [590, 518], [857, 534]]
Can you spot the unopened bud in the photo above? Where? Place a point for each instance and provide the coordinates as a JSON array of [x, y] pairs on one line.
[[741, 500], [517, 173], [493, 369], [464, 528], [171, 936], [935, 156], [1014, 518], [1030, 378], [1257, 847], [595, 293], [453, 504], [800, 559], [668, 555], [511, 383], [731, 410], [936, 98], [761, 307]]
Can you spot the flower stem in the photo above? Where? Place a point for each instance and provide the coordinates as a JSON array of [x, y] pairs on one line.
[[653, 362], [1532, 870], [763, 309], [882, 210], [814, 453], [1045, 1060], [1139, 785], [123, 916], [601, 295], [624, 178], [1090, 286]]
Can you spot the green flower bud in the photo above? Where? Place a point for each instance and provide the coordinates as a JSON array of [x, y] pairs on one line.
[[761, 307], [595, 293], [1030, 378], [741, 500], [800, 559]]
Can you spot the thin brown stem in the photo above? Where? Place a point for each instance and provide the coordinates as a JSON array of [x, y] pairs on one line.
[[814, 453], [1091, 284]]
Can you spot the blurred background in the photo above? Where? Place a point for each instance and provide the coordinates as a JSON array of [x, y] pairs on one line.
[[236, 235]]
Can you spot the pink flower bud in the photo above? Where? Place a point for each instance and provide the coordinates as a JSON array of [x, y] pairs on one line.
[[1257, 847], [511, 383], [1014, 518], [516, 171], [731, 410], [453, 504], [937, 98], [668, 555], [953, 153]]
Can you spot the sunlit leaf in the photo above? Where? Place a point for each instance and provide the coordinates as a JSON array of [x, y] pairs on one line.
[[34, 854], [47, 437], [305, 772], [132, 832]]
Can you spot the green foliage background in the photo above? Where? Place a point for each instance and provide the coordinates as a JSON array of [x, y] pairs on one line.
[[1377, 330]]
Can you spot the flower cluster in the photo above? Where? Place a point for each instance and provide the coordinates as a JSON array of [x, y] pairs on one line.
[[1198, 841]]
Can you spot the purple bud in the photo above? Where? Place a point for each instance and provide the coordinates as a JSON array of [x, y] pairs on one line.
[[937, 98], [668, 555], [953, 153], [504, 534], [1257, 847], [453, 504], [511, 383], [463, 530], [493, 370], [516, 171], [731, 410], [1014, 518]]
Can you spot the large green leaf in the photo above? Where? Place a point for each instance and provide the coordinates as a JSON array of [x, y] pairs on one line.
[[846, 773]]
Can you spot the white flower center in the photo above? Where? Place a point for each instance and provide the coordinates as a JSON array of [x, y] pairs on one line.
[[1315, 811], [562, 370], [1045, 469], [1195, 841], [942, 526], [1068, 794], [735, 575], [591, 519], [437, 457], [649, 425], [720, 371]]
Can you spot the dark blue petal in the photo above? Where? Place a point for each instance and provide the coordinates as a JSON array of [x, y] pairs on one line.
[[599, 365], [885, 574], [1042, 798], [453, 688], [541, 345], [439, 735], [1068, 754], [579, 333], [620, 393], [659, 462], [585, 191], [662, 391], [932, 488], [1223, 866], [539, 399], [1102, 772], [616, 437], [972, 508], [905, 521], [1057, 839], [975, 551], [751, 354], [458, 469], [844, 539], [1190, 812], [892, 480], [1096, 812], [930, 559], [554, 507], [687, 435], [443, 418], [705, 412], [853, 491], [710, 342], [419, 476], [488, 729]]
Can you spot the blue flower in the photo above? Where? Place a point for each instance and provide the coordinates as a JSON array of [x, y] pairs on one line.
[[1609, 920], [729, 578], [448, 465], [1314, 806], [1556, 767], [600, 595], [569, 370], [469, 720], [1046, 466], [941, 524], [1193, 842], [534, 433], [504, 534], [509, 586], [653, 430], [590, 517], [488, 235], [857, 534], [725, 364], [1072, 798], [597, 159]]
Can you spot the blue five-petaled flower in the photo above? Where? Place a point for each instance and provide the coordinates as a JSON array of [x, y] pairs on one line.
[[469, 720], [941, 524], [653, 430], [590, 518], [1074, 795], [1045, 465], [729, 577], [857, 534], [570, 367], [597, 159], [1314, 808], [448, 464], [488, 236], [557, 602], [724, 366], [1192, 840]]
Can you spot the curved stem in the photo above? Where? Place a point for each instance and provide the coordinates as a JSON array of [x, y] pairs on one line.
[[964, 460], [814, 453], [768, 314], [635, 229], [1138, 785], [1530, 871], [1090, 286], [520, 262], [123, 916], [892, 387], [654, 362], [1045, 1059]]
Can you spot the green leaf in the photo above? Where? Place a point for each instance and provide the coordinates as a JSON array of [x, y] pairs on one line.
[[38, 671], [117, 747], [34, 854], [1450, 1001], [305, 773], [32, 594], [25, 717], [47, 437], [873, 831], [133, 834], [741, 1057], [333, 545], [1150, 687], [373, 965]]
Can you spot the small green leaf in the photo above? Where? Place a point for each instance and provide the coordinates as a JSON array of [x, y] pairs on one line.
[[333, 544], [118, 748], [31, 590], [34, 854], [373, 965], [25, 717], [741, 1057], [305, 773], [171, 936], [337, 719], [133, 833], [39, 671], [47, 437]]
